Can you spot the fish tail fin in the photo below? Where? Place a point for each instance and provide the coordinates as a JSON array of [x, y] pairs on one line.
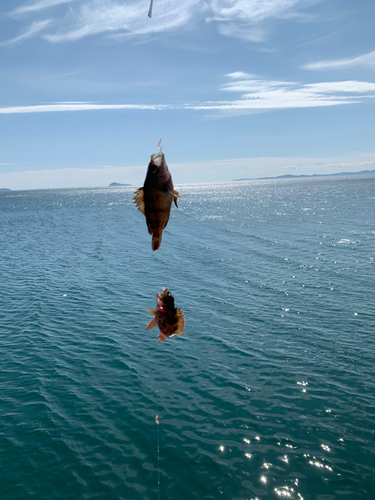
[[162, 337], [156, 242]]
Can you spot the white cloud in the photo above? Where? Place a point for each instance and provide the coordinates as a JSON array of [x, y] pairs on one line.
[[269, 94], [130, 19], [98, 16], [349, 86], [252, 10], [256, 95], [363, 60], [107, 17], [31, 32], [249, 83], [243, 19], [74, 106], [41, 5], [244, 33], [239, 74]]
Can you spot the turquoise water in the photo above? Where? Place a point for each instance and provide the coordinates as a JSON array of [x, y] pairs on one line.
[[270, 394]]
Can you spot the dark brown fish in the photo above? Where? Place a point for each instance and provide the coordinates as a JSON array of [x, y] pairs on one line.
[[154, 199], [168, 318]]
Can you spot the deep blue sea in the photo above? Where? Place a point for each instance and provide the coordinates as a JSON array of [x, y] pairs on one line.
[[271, 392]]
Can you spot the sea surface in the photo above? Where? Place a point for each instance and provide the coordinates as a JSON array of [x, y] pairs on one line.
[[271, 392]]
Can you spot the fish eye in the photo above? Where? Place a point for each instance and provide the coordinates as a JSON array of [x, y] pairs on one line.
[[153, 169]]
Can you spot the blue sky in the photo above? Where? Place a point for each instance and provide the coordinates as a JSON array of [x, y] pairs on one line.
[[235, 88]]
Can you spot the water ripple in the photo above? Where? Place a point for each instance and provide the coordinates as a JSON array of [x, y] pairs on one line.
[[269, 395]]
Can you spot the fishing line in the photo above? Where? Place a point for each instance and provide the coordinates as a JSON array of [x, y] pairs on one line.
[[157, 421], [163, 37], [160, 147], [158, 452], [150, 9], [163, 93]]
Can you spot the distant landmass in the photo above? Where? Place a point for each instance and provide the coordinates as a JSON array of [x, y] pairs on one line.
[[5, 189], [114, 184], [290, 176]]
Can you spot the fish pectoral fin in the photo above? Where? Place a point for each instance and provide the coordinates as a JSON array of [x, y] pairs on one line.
[[173, 192], [139, 200], [151, 311], [161, 337], [151, 325], [175, 195]]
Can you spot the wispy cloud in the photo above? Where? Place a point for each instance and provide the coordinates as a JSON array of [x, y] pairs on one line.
[[31, 32], [245, 32], [113, 18], [256, 10], [256, 95], [37, 6], [264, 95], [95, 17], [239, 74], [243, 19], [106, 17], [76, 106], [363, 60]]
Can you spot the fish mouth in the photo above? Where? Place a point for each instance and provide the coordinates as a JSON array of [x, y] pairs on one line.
[[160, 296], [160, 307], [157, 159], [159, 299]]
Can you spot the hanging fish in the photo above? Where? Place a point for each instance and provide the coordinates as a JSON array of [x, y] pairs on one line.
[[154, 199], [168, 318]]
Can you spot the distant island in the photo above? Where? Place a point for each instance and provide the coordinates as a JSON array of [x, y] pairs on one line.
[[290, 176], [5, 189], [114, 184]]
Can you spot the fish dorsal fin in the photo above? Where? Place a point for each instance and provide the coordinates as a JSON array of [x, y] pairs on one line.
[[180, 322], [139, 200]]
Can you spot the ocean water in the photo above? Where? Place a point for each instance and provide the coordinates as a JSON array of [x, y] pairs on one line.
[[271, 392]]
